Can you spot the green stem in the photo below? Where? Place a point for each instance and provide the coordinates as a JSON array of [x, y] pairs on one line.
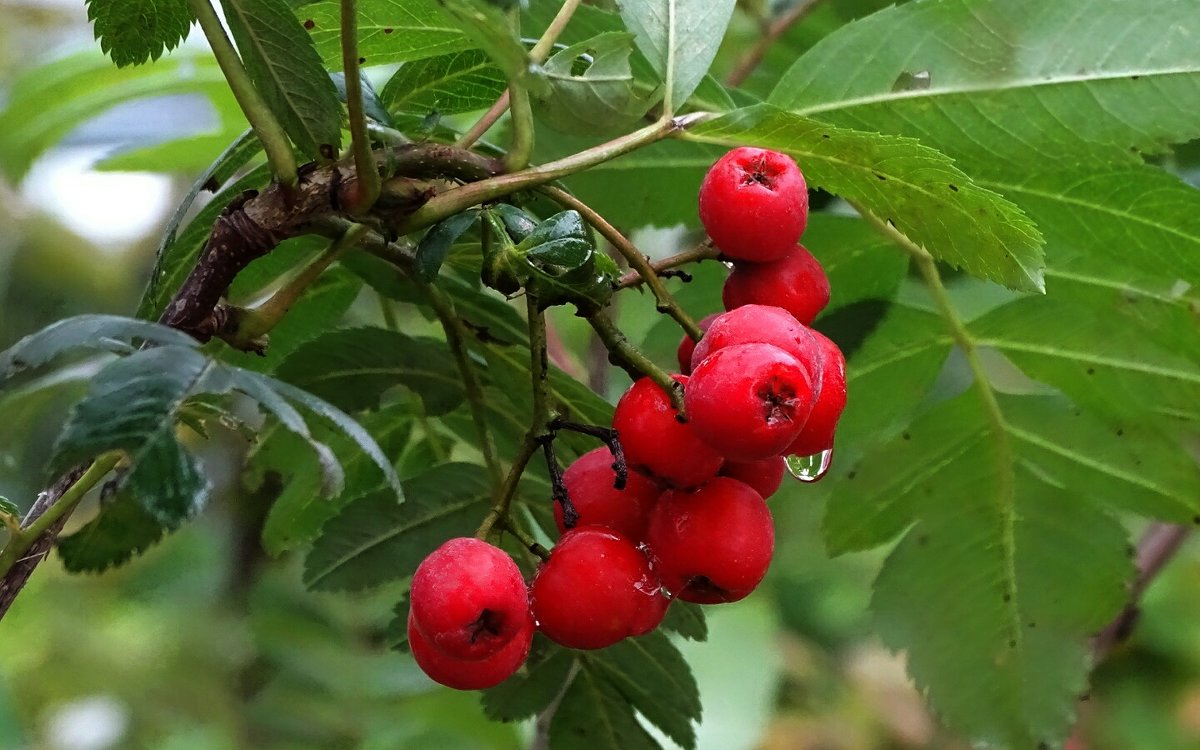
[[508, 489], [527, 541], [258, 114], [629, 358], [20, 542], [521, 117], [461, 198], [634, 257], [541, 50], [390, 321], [367, 175], [702, 251], [456, 339]]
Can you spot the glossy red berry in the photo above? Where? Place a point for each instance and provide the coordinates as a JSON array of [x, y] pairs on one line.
[[590, 481], [764, 475], [749, 401], [713, 544], [469, 599], [817, 434], [597, 588], [687, 346], [470, 675], [762, 324], [754, 204], [656, 443], [797, 283]]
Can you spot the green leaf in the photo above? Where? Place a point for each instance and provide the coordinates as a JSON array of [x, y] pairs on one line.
[[523, 695], [435, 245], [122, 530], [917, 189], [47, 102], [8, 506], [600, 99], [679, 37], [107, 333], [353, 367], [448, 84], [491, 30], [687, 620], [861, 263], [389, 31], [1094, 99], [287, 71], [372, 105], [594, 715], [375, 540], [136, 31]]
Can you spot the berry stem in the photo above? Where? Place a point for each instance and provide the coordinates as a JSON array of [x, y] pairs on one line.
[[635, 363], [610, 438], [558, 491], [702, 251], [525, 539], [636, 259]]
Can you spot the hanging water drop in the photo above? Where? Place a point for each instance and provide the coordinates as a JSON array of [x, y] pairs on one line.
[[812, 468]]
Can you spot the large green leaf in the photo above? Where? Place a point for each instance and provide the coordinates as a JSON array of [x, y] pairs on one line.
[[137, 31], [954, 72], [599, 99], [491, 30], [287, 71], [448, 84], [389, 31], [375, 539], [109, 333], [679, 37], [916, 188]]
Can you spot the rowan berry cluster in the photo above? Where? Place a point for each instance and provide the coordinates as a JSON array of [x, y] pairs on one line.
[[688, 520]]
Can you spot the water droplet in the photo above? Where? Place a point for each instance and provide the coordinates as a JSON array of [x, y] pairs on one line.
[[812, 468], [918, 81]]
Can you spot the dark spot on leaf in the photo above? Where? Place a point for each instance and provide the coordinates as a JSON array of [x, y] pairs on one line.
[[1012, 644], [1091, 371], [953, 187], [1196, 520], [923, 540], [388, 30], [879, 176], [851, 474], [1007, 597], [1134, 78], [310, 24], [1085, 697], [1120, 432], [362, 60], [824, 135], [1032, 625], [1130, 550], [211, 185], [906, 435]]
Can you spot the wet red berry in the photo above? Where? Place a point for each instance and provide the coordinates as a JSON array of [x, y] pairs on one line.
[[817, 434], [762, 324], [686, 345], [764, 475], [596, 589], [754, 204], [590, 484], [656, 443], [797, 283], [470, 675], [713, 544]]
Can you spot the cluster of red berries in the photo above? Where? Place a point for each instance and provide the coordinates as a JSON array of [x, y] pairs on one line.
[[690, 520]]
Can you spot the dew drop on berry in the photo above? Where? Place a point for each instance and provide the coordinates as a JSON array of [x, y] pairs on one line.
[[812, 468]]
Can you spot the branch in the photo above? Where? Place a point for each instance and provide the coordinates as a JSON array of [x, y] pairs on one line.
[[636, 364], [274, 140], [360, 141], [703, 251], [751, 60]]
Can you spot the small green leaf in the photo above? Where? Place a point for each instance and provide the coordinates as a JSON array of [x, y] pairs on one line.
[[122, 530], [595, 716], [287, 71], [449, 84], [518, 223], [375, 539], [601, 98], [432, 250], [8, 506], [687, 620], [523, 695], [136, 31], [108, 333]]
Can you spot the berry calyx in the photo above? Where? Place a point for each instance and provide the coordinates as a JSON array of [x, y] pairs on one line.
[[762, 324], [754, 204], [469, 599], [796, 282], [596, 588], [687, 346], [462, 674], [764, 475], [817, 434], [713, 544], [659, 445], [749, 401], [590, 481]]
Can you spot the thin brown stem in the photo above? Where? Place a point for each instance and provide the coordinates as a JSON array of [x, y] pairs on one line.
[[702, 251], [485, 122], [754, 56]]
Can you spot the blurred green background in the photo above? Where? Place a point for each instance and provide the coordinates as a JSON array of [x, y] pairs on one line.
[[205, 643]]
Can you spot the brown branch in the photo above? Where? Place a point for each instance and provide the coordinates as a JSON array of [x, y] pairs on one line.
[[702, 251], [751, 60]]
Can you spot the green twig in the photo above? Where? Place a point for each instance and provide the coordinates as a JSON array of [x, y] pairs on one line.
[[366, 172], [629, 358], [22, 540], [521, 116], [634, 257], [541, 50], [456, 339], [258, 114]]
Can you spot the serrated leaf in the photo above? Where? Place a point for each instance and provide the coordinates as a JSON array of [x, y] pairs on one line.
[[1094, 98], [122, 530], [595, 716], [524, 694], [287, 71], [679, 37], [917, 189], [375, 539], [687, 620], [435, 245], [352, 368], [132, 32], [600, 99], [107, 333], [389, 31], [448, 84]]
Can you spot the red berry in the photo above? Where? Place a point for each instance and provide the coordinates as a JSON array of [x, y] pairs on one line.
[[764, 475], [797, 283], [469, 599], [470, 675], [596, 589], [713, 544], [762, 324], [754, 204], [749, 401], [686, 345], [589, 482], [659, 445], [817, 434]]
